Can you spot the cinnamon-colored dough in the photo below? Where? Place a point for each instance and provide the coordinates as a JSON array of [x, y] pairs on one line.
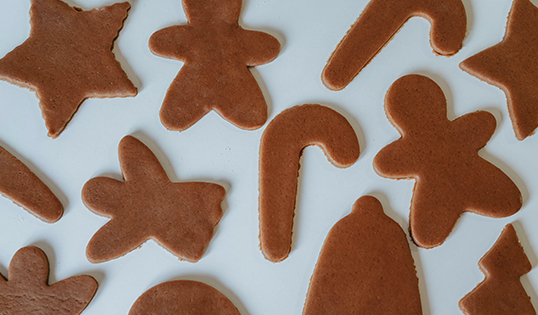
[[217, 53], [501, 292], [179, 216], [442, 156], [280, 151], [68, 58], [512, 65], [23, 187], [27, 291], [365, 267], [183, 297], [380, 21]]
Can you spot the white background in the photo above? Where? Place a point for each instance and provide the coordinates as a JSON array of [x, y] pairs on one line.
[[213, 150]]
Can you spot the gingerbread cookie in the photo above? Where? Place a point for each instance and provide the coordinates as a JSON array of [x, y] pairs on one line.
[[442, 156], [183, 297], [26, 291], [280, 151], [365, 267], [501, 293], [68, 58], [179, 216], [23, 187], [512, 65], [217, 53], [380, 21]]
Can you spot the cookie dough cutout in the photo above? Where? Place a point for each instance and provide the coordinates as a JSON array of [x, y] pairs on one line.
[[179, 216], [442, 156], [183, 297], [217, 53], [281, 147], [68, 58], [26, 291], [365, 267], [501, 292], [24, 188], [380, 21], [512, 65]]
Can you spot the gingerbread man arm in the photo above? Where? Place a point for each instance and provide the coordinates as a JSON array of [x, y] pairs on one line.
[[170, 42], [378, 23], [261, 49], [476, 128], [280, 151]]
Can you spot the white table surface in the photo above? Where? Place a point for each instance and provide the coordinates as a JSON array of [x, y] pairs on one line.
[[214, 150]]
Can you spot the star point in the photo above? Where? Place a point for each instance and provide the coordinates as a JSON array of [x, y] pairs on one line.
[[512, 65]]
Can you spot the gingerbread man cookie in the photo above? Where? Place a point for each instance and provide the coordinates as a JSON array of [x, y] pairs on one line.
[[380, 21], [442, 156], [217, 53], [179, 216], [23, 187], [512, 65], [501, 293], [365, 267], [26, 291], [68, 58], [280, 151], [183, 297]]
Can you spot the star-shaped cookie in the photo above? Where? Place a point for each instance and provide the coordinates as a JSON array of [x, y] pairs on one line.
[[217, 53], [442, 156], [26, 291], [512, 65], [179, 216], [68, 58]]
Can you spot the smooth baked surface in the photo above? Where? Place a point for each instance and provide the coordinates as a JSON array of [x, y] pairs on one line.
[[380, 21], [512, 65], [68, 58], [280, 151], [179, 216], [365, 267], [217, 53], [27, 291], [23, 187], [442, 156], [183, 297], [501, 292]]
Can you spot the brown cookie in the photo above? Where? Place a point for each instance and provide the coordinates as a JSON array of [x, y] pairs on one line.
[[179, 216], [365, 267], [68, 58], [281, 147], [27, 290], [183, 297], [217, 53], [442, 156], [380, 21], [512, 65], [501, 292], [23, 187]]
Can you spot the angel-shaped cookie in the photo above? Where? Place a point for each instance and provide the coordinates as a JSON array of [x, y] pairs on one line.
[[442, 156], [179, 216], [217, 53]]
